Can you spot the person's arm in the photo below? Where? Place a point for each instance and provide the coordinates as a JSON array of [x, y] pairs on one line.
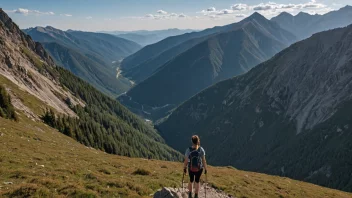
[[205, 163], [185, 162]]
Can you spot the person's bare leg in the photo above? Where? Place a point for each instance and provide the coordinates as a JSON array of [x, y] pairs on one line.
[[196, 188], [189, 187]]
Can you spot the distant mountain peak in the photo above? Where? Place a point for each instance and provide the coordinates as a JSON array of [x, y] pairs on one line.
[[256, 15], [303, 14], [285, 14], [347, 7]]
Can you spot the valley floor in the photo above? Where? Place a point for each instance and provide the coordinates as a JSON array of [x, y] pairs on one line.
[[38, 161]]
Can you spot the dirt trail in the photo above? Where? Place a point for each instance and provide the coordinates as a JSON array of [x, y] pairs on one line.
[[182, 193]]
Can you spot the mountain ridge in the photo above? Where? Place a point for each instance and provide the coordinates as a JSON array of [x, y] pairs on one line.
[[88, 55], [141, 65], [303, 25]]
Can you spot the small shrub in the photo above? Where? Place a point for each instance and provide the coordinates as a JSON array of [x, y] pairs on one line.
[[29, 190], [115, 184], [7, 110], [81, 194], [141, 172], [105, 171], [90, 176]]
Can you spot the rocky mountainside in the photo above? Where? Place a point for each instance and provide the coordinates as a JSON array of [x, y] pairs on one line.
[[46, 93], [303, 25], [219, 57], [287, 116], [88, 55], [30, 67]]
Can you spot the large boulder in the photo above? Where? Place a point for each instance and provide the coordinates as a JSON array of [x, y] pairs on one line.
[[168, 193]]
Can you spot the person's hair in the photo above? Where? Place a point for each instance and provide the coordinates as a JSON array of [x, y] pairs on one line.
[[196, 140]]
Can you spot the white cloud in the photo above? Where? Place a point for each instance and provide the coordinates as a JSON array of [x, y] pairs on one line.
[[149, 16], [21, 11], [239, 6], [263, 6], [274, 6], [89, 17], [225, 11], [240, 15], [163, 16], [161, 12], [66, 15], [268, 9], [212, 9], [29, 12]]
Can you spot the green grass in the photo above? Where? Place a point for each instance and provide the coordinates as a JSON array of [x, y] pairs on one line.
[[73, 170]]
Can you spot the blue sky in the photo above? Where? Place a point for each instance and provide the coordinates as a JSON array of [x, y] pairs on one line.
[[96, 15]]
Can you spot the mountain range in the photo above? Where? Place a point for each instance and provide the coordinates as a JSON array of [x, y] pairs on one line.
[[169, 72], [232, 51], [145, 37], [88, 55], [303, 25], [288, 116]]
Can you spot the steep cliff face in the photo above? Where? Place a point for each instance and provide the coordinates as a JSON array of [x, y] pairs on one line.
[[287, 116], [29, 66]]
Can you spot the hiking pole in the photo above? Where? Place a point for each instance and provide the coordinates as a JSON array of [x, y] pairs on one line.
[[205, 186], [183, 179]]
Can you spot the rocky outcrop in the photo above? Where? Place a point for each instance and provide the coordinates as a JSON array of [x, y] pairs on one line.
[[28, 65], [168, 193], [204, 192], [12, 31]]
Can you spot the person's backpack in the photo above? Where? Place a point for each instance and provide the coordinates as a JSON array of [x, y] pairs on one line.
[[195, 160]]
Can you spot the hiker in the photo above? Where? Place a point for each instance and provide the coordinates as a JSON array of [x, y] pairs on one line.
[[195, 161]]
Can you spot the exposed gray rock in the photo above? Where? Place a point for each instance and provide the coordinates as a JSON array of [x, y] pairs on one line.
[[204, 191], [167, 193]]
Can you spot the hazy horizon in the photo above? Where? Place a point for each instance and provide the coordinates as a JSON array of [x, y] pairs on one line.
[[118, 15]]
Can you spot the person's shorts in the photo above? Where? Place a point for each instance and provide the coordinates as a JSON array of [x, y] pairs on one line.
[[195, 176]]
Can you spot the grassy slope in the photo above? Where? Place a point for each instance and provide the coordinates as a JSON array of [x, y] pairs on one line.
[[71, 169]]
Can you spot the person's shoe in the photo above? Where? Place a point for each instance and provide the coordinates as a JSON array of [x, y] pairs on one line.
[[190, 195], [195, 195]]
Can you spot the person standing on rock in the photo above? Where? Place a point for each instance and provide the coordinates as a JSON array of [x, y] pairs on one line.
[[195, 162]]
